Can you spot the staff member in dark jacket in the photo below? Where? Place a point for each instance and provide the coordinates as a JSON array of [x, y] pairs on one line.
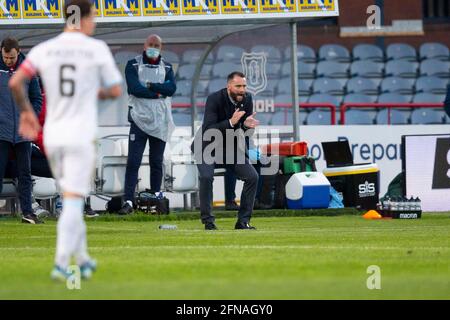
[[227, 110], [151, 84], [9, 125]]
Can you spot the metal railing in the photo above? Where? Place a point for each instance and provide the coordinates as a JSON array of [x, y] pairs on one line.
[[285, 106]]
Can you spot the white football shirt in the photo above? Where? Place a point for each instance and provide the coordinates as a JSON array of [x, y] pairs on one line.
[[73, 68]]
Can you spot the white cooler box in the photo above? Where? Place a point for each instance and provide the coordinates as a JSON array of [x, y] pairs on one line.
[[306, 190]]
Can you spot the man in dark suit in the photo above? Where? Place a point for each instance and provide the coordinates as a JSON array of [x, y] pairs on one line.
[[228, 114]]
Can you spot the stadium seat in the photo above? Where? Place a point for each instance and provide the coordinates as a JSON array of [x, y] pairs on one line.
[[281, 117], [284, 86], [359, 98], [397, 85], [304, 87], [305, 70], [122, 57], [185, 72], [182, 118], [432, 67], [367, 69], [304, 54], [287, 98], [183, 88], [269, 90], [354, 116], [401, 51], [193, 55], [397, 117], [171, 57], [328, 85], [229, 53], [362, 85], [319, 117], [181, 100], [222, 69], [332, 69], [431, 84], [110, 168], [273, 70], [10, 193], [368, 52], [216, 85], [325, 98], [273, 54], [401, 68], [427, 116], [433, 50], [334, 52], [391, 97], [44, 188], [202, 88], [426, 97]]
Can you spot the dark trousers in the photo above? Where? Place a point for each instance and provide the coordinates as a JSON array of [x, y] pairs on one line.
[[244, 172], [39, 166], [136, 145], [230, 183], [22, 153]]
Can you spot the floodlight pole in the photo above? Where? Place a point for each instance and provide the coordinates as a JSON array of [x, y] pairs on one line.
[[294, 83]]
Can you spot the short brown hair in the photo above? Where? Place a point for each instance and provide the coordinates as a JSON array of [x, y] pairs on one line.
[[10, 43], [84, 5]]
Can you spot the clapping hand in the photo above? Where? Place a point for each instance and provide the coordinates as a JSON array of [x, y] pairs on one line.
[[237, 115], [251, 122]]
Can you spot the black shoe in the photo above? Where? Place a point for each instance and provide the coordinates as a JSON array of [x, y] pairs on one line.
[[126, 209], [210, 226], [31, 218], [89, 213], [244, 225], [231, 205]]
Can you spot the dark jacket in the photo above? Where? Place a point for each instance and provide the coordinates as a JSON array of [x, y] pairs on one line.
[[9, 112], [218, 111], [447, 102], [135, 88]]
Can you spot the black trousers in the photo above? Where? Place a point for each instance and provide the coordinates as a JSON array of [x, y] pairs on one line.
[[22, 152], [245, 172]]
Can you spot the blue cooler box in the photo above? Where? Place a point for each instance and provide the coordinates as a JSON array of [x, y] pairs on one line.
[[306, 190]]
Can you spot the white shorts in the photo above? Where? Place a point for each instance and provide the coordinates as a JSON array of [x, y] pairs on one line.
[[72, 167]]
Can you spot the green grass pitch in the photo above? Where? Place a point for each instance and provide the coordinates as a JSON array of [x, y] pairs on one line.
[[308, 257]]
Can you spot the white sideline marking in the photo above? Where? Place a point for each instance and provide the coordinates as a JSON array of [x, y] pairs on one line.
[[260, 247]]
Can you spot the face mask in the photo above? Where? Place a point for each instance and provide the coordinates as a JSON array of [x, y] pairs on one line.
[[152, 53]]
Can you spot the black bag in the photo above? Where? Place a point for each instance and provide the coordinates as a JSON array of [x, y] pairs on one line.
[[114, 205], [149, 202], [280, 191]]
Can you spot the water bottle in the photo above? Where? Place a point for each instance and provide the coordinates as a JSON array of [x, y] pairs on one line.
[[168, 227]]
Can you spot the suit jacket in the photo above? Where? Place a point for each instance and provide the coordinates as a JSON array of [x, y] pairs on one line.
[[218, 111]]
